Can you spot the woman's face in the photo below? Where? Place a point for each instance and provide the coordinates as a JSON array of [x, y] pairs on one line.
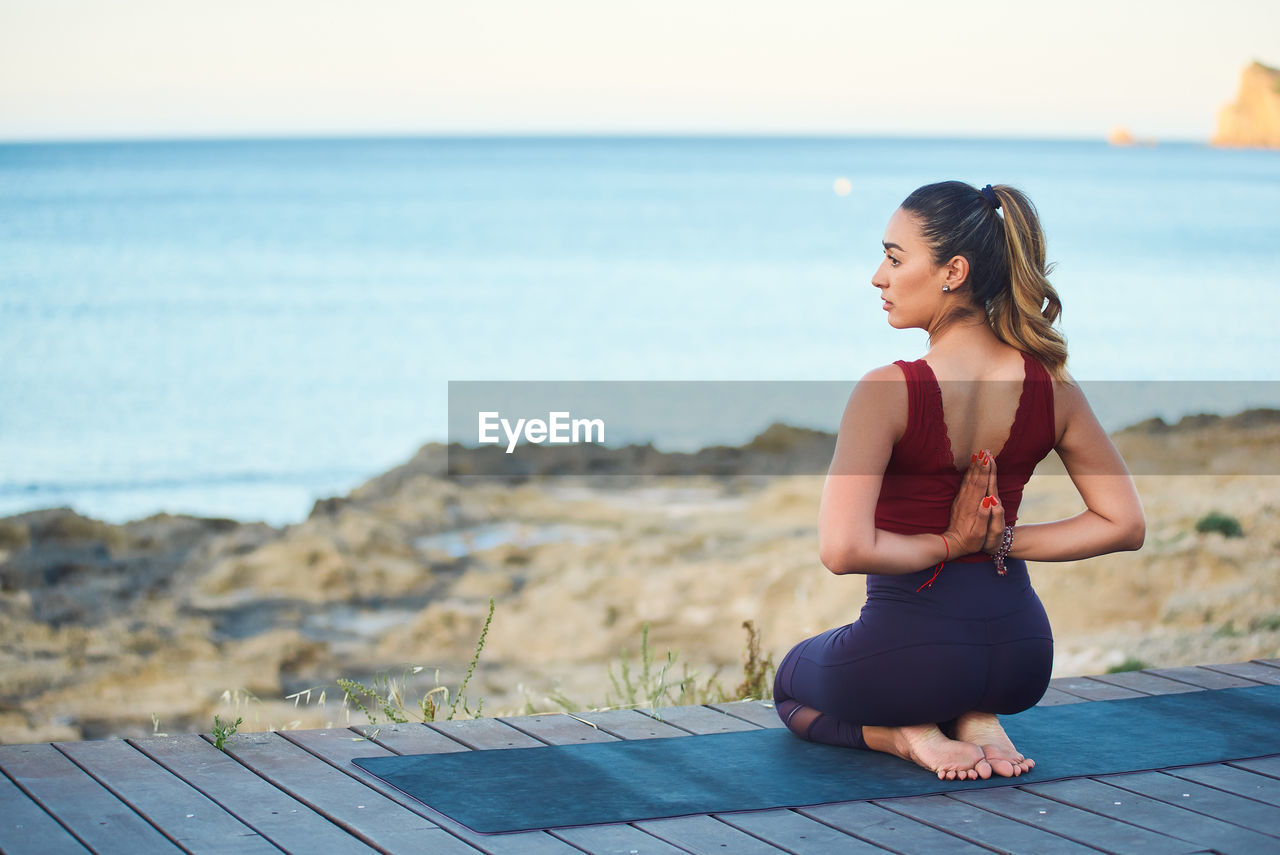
[[910, 283]]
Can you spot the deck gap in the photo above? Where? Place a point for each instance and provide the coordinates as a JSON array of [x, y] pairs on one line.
[[166, 835], [952, 831], [35, 801], [1190, 807]]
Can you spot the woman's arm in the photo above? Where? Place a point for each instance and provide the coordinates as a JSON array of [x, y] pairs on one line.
[[1113, 520], [848, 541]]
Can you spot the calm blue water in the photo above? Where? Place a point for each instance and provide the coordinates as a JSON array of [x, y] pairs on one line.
[[237, 328]]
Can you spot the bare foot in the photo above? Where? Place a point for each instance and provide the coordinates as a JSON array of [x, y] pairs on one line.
[[927, 746], [983, 729]]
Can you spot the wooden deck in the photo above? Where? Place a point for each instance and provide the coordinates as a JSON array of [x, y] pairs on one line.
[[297, 791]]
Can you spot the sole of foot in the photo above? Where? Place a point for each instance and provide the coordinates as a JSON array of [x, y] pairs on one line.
[[984, 730]]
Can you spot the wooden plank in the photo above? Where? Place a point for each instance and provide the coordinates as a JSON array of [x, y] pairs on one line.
[[983, 827], [277, 816], [704, 835], [1191, 796], [797, 833], [1147, 684], [1082, 826], [86, 808], [759, 713], [890, 830], [1242, 782], [700, 720], [485, 734], [1203, 677], [184, 814], [338, 748], [361, 810], [631, 724], [1256, 671], [1091, 689], [616, 838], [1274, 663], [27, 829], [1056, 697], [1261, 765], [558, 729], [408, 738], [1103, 799]]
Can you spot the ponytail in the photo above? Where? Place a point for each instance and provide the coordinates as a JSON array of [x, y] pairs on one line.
[[1008, 279], [1023, 314]]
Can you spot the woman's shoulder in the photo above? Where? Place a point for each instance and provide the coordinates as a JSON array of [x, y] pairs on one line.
[[897, 371], [881, 395]]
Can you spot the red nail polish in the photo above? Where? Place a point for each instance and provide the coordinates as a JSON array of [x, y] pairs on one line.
[[973, 457]]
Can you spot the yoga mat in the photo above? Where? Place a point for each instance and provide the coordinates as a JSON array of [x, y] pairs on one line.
[[520, 789]]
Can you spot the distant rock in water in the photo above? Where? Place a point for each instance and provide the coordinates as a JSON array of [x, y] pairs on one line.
[[1253, 120], [1120, 135]]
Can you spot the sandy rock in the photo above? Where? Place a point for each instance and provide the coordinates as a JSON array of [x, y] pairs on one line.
[[1253, 119]]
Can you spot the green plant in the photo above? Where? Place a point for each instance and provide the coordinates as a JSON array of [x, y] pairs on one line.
[[222, 731], [462, 689], [756, 680], [386, 697], [1227, 630], [653, 688], [1129, 664], [1267, 623], [1227, 526]]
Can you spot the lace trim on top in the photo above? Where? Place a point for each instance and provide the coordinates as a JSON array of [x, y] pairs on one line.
[[936, 426]]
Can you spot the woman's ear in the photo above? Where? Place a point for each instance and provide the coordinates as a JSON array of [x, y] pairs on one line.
[[956, 273]]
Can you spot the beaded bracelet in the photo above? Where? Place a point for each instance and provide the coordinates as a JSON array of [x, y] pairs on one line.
[[1006, 542]]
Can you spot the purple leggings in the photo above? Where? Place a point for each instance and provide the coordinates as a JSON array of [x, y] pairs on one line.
[[973, 640]]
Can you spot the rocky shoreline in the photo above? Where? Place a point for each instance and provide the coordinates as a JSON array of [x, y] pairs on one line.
[[119, 630]]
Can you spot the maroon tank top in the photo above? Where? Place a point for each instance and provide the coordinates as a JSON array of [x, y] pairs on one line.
[[921, 479]]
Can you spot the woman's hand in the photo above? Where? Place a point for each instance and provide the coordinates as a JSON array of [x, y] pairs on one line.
[[995, 528], [975, 522]]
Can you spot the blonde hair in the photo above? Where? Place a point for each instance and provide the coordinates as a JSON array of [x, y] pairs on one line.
[[1008, 277], [1023, 315]]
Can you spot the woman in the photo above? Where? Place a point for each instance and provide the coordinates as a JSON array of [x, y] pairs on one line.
[[952, 632]]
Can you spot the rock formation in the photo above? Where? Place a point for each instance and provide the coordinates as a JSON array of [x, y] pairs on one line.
[[121, 630], [1254, 118]]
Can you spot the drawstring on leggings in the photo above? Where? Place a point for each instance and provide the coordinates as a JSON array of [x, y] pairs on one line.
[[937, 569]]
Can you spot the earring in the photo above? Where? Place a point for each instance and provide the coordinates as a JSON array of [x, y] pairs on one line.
[[946, 287]]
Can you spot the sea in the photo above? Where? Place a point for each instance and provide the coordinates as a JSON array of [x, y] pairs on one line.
[[237, 328]]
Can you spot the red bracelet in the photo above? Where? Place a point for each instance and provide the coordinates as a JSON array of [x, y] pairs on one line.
[[937, 569]]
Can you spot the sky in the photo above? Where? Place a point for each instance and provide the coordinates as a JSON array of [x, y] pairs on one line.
[[127, 69]]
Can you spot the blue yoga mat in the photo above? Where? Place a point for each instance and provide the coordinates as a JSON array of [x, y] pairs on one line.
[[521, 789]]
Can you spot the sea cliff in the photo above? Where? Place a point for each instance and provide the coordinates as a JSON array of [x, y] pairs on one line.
[[1253, 119]]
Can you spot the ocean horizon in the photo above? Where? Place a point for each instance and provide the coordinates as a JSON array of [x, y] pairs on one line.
[[237, 327]]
